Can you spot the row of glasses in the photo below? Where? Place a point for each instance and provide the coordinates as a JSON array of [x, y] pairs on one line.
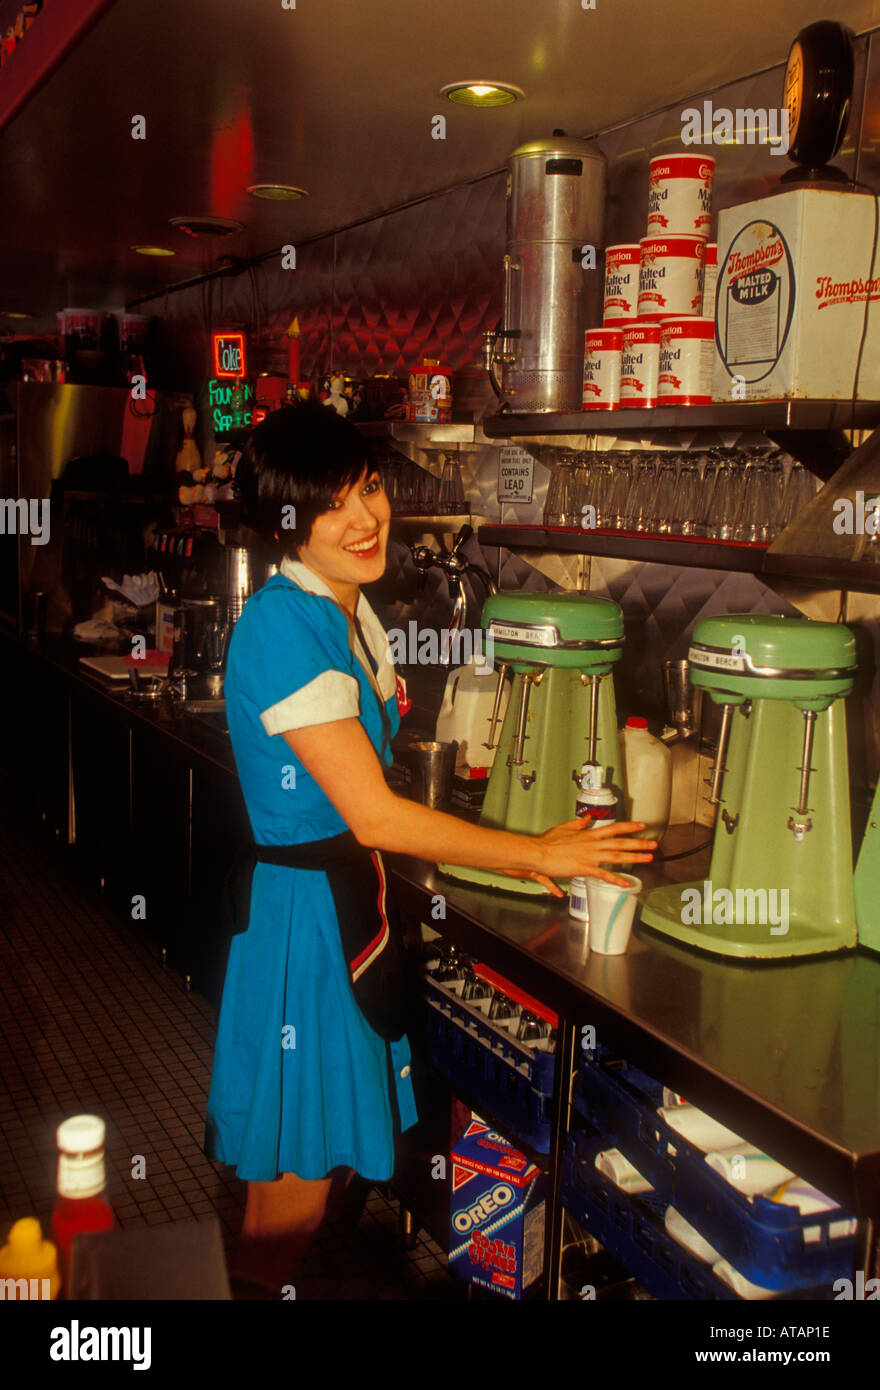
[[718, 494], [412, 491], [457, 974]]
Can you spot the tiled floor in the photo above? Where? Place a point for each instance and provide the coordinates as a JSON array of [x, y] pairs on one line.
[[91, 1021]]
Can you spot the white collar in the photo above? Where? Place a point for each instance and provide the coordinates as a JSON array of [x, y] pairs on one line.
[[374, 633]]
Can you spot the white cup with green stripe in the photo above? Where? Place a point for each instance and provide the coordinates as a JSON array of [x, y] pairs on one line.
[[612, 910]]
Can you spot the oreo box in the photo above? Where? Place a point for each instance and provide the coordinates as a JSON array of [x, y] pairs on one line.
[[497, 1213]]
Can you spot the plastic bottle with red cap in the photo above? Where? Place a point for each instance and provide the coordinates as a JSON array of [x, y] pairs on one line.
[[648, 765]]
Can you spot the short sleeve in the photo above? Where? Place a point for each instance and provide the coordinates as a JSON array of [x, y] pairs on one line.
[[287, 654]]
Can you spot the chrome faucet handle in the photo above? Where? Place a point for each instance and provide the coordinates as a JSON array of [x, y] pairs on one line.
[[424, 559], [462, 538], [456, 624]]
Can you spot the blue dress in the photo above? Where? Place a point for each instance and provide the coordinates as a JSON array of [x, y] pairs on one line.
[[300, 1082]]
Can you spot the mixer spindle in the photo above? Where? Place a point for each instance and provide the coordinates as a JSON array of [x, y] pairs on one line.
[[593, 682], [528, 680], [720, 754], [809, 729], [496, 708]]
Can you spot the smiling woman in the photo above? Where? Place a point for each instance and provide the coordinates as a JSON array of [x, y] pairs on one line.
[[301, 458], [311, 1074]]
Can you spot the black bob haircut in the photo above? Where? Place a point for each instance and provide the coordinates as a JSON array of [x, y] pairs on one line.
[[301, 456]]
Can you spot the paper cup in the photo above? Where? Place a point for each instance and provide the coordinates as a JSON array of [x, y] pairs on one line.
[[612, 910]]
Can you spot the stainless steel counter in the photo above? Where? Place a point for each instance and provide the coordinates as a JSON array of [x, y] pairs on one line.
[[787, 1054]]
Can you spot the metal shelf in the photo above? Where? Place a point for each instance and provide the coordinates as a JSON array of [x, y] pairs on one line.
[[860, 576], [434, 519], [755, 415], [411, 432], [740, 556]]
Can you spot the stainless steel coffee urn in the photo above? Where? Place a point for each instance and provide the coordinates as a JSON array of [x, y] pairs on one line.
[[555, 215]]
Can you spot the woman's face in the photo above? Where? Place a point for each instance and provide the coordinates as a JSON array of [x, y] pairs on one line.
[[347, 543]]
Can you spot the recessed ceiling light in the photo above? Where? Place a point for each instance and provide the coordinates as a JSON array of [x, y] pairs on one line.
[[482, 93], [206, 226], [153, 251], [279, 192]]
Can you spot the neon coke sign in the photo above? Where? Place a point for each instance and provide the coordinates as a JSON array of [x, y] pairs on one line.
[[229, 355]]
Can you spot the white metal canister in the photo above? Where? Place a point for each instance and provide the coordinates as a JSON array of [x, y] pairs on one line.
[[680, 194], [670, 276], [621, 284], [639, 365], [687, 356], [710, 278], [602, 348]]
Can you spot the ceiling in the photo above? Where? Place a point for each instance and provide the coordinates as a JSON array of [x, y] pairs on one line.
[[336, 96]]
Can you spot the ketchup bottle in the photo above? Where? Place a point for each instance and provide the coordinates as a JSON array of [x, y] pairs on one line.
[[81, 1204]]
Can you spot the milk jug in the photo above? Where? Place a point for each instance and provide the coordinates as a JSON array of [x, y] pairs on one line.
[[648, 764]]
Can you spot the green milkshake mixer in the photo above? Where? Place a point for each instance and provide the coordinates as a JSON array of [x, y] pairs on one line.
[[559, 651], [781, 863]]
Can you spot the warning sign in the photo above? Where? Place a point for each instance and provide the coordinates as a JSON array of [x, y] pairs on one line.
[[516, 472]]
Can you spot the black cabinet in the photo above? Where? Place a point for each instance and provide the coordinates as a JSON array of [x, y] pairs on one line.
[[100, 754], [156, 895], [35, 711], [219, 827], [152, 817]]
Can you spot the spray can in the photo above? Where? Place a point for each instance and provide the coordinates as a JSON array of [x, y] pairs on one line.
[[594, 799]]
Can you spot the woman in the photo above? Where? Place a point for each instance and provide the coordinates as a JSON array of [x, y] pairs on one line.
[[303, 1087]]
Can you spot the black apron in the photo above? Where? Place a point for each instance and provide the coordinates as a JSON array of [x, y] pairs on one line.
[[369, 924]]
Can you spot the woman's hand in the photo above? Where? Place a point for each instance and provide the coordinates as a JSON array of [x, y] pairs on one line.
[[341, 759], [567, 852]]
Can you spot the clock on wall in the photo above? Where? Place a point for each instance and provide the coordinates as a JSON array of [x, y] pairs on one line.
[[817, 91]]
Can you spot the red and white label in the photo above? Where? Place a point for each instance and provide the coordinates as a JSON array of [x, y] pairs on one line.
[[621, 283], [680, 194], [687, 352], [710, 278], [741, 263], [639, 366], [602, 349], [670, 277]]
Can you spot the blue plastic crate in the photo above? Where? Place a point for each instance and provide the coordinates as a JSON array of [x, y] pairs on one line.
[[514, 1082], [631, 1229], [771, 1244]]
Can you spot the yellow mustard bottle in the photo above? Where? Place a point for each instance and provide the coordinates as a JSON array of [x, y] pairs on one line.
[[30, 1261]]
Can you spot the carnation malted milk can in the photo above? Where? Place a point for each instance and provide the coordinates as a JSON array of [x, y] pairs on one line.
[[552, 273]]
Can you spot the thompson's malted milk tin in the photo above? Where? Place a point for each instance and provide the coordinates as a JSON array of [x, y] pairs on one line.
[[792, 291], [639, 365], [687, 354], [670, 276], [680, 194], [621, 284], [602, 347], [710, 278]]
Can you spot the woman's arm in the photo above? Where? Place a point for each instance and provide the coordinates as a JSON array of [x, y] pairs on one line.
[[343, 762]]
